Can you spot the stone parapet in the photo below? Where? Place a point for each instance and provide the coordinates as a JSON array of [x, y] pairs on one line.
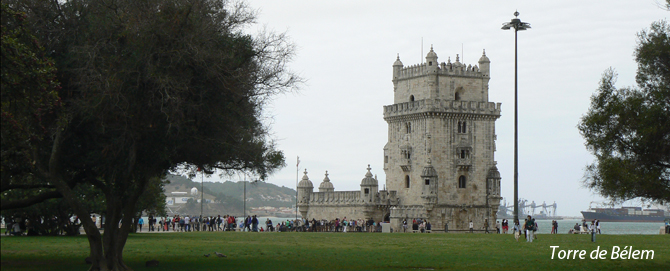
[[444, 69], [447, 107]]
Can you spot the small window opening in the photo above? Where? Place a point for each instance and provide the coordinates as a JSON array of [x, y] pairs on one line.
[[427, 181], [458, 96], [462, 154], [406, 181], [411, 98], [386, 158], [463, 127], [430, 63], [461, 182], [367, 191]]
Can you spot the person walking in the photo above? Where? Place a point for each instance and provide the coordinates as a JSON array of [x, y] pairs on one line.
[[530, 225], [517, 230], [140, 223]]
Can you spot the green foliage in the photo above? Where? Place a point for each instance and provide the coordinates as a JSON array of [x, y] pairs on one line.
[[628, 129]]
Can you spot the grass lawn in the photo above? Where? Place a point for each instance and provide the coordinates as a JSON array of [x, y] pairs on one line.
[[338, 251]]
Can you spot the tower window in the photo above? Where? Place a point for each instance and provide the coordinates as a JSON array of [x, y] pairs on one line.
[[461, 182], [367, 191], [386, 158], [408, 127], [462, 154], [430, 63], [411, 98], [406, 181], [461, 127], [427, 181], [457, 97]]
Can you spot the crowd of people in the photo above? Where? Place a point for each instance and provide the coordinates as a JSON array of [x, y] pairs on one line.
[[186, 223]]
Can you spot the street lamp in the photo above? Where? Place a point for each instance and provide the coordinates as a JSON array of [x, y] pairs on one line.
[[517, 24]]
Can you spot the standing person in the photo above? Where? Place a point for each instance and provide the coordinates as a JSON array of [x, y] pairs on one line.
[[530, 226], [219, 220], [517, 230], [472, 227], [556, 225], [404, 225], [140, 222], [497, 227], [254, 224], [598, 226], [247, 223], [505, 226], [486, 225], [187, 221], [525, 232], [344, 224], [592, 228]]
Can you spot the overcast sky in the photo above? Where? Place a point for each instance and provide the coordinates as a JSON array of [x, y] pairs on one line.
[[345, 51]]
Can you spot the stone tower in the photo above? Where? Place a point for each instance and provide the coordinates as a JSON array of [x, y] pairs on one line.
[[439, 157]]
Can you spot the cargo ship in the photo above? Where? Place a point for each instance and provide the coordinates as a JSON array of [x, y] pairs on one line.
[[626, 214]]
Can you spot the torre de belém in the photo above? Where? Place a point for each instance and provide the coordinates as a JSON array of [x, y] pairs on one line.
[[439, 157]]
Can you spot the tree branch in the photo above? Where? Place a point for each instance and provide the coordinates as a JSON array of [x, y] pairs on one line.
[[25, 186], [16, 204]]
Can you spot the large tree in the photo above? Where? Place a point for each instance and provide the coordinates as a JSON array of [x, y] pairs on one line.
[[628, 129], [149, 87]]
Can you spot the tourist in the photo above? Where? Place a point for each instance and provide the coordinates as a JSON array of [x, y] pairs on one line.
[[517, 230], [219, 220], [472, 227], [598, 226], [486, 225], [530, 226], [505, 226], [422, 227], [535, 228], [497, 227], [254, 224], [140, 222], [160, 224], [404, 225], [187, 223], [344, 224], [525, 231], [428, 226], [593, 230]]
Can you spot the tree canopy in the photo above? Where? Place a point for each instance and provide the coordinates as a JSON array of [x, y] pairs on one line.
[[146, 87], [628, 129]]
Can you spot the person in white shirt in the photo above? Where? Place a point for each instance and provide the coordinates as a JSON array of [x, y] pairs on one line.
[[187, 220], [472, 226]]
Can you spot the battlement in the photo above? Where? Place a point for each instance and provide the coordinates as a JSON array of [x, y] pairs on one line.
[[443, 106], [336, 197], [451, 69]]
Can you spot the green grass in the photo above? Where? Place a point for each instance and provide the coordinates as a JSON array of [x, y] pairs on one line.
[[337, 251]]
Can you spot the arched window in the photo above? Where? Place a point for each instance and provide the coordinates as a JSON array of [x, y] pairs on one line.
[[459, 127], [461, 182], [411, 98], [458, 96], [406, 181], [463, 127]]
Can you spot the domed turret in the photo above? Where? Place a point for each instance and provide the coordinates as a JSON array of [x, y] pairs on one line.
[[368, 180], [326, 185], [397, 68], [429, 171], [194, 191], [493, 173], [484, 64], [305, 182], [431, 59]]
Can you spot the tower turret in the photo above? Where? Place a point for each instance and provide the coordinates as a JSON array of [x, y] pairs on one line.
[[326, 185], [305, 189], [431, 61], [369, 187], [397, 68], [429, 191], [484, 65]]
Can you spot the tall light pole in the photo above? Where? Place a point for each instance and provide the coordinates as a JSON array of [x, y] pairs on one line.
[[517, 24]]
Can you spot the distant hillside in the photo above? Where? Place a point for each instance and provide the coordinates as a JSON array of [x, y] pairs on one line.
[[227, 197]]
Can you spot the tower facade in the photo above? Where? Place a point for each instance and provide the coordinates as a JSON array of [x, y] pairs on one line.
[[439, 157]]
